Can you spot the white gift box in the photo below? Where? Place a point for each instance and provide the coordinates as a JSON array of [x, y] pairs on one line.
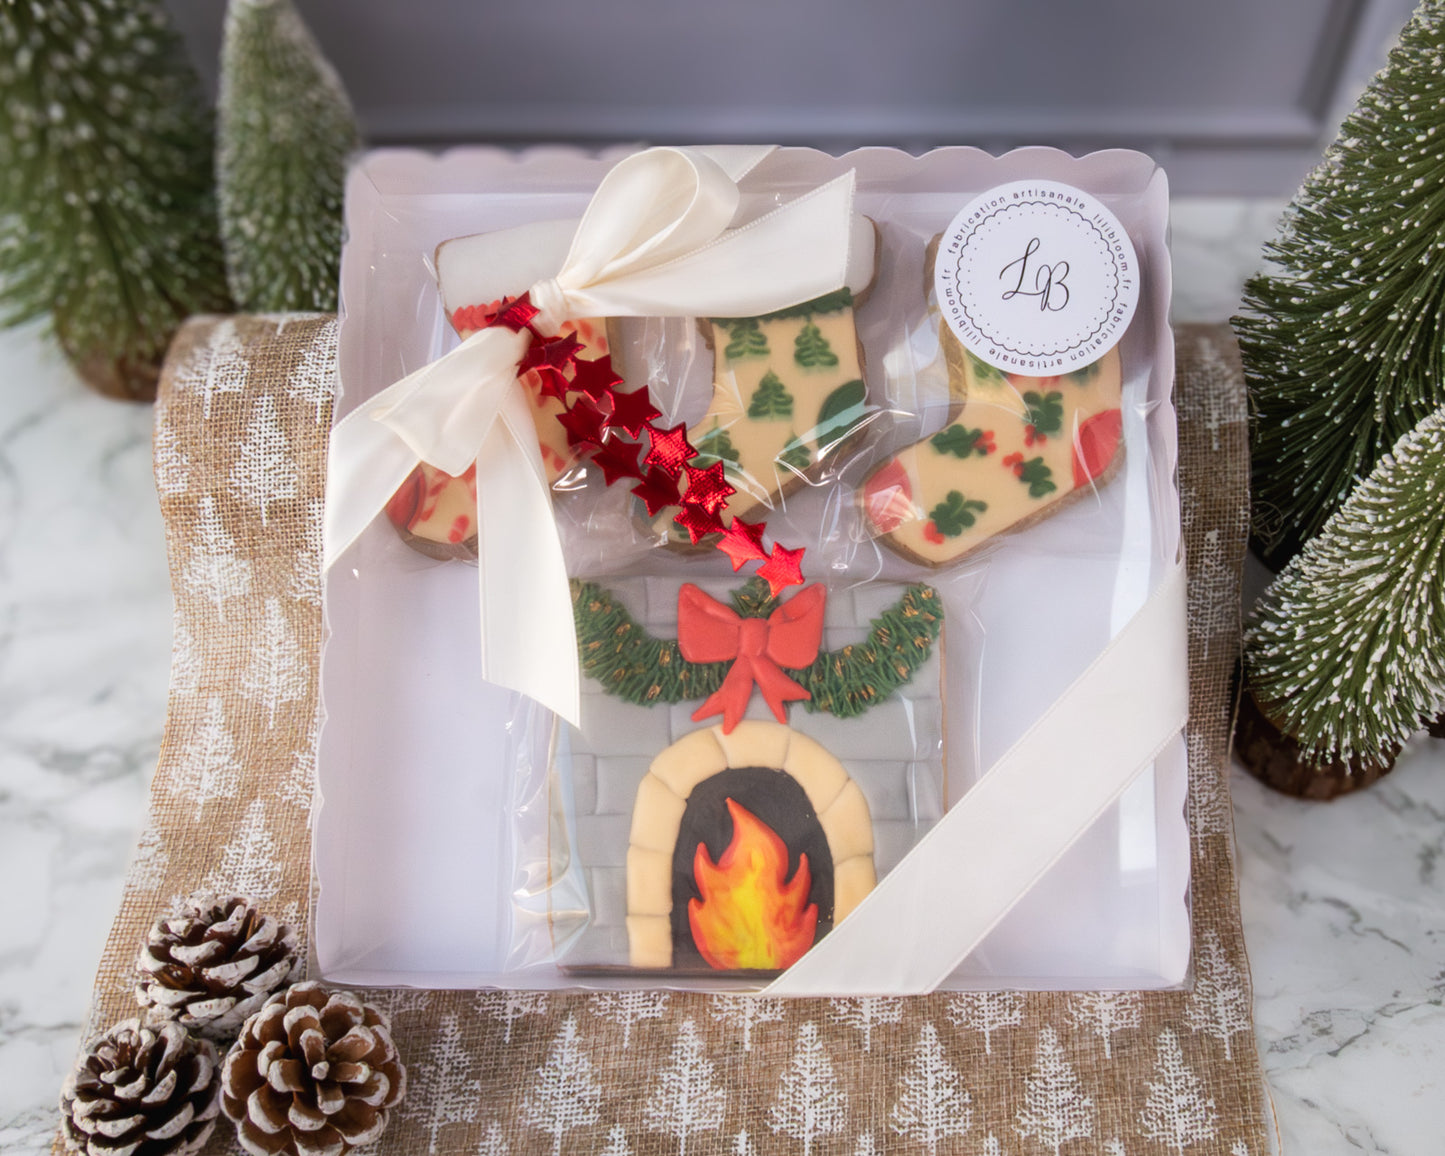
[[419, 839]]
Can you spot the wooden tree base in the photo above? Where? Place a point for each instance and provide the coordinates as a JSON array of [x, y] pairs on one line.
[[1276, 760]]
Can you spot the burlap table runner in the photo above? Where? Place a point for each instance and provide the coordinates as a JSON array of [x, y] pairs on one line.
[[241, 428]]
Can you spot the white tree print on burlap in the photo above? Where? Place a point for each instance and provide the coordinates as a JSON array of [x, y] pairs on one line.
[[1209, 811], [686, 1101], [172, 466], [865, 1013], [216, 366], [1114, 1147], [275, 673], [185, 661], [565, 1094], [1177, 1113], [1239, 1148], [494, 1142], [214, 572], [299, 784], [249, 864], [394, 1002], [1055, 1109], [986, 1012], [745, 1013], [208, 768], [1219, 1004], [313, 381], [265, 471], [148, 868], [1105, 1013], [306, 578], [617, 1144], [867, 1146], [932, 1102], [627, 1008], [507, 1007], [810, 1104], [742, 1145], [442, 1088], [992, 1146]]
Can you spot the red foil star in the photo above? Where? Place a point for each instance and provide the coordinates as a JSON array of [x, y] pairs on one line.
[[617, 459], [657, 491], [585, 424], [670, 449], [699, 523], [743, 542], [596, 379], [707, 488], [552, 358], [517, 315], [783, 569], [631, 410]]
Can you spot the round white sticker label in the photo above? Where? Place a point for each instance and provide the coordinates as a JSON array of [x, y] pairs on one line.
[[1037, 278]]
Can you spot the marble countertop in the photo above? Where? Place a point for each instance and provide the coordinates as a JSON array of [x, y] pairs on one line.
[[1343, 907]]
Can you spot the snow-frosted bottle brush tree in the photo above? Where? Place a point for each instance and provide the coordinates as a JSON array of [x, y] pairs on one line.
[[107, 213], [285, 130], [1344, 344], [1344, 353]]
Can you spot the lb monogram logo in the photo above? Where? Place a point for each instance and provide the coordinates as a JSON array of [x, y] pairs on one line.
[[1037, 278]]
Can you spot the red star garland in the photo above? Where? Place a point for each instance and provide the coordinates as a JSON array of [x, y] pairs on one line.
[[783, 569], [632, 411], [657, 491], [698, 521], [517, 315], [593, 422], [617, 459], [670, 449], [585, 424], [742, 542], [707, 488], [596, 379]]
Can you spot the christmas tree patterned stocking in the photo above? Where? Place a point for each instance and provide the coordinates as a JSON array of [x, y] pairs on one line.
[[788, 391]]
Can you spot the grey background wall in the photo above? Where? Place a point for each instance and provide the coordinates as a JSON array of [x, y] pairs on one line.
[[1233, 96]]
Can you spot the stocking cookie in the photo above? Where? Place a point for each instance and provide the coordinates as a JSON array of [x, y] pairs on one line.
[[788, 392], [1015, 450], [433, 511]]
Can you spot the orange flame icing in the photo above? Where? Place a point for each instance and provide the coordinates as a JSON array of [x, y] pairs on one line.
[[750, 914]]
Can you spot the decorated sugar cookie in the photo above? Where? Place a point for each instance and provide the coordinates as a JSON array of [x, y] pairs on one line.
[[788, 393], [435, 512], [1016, 450], [749, 838]]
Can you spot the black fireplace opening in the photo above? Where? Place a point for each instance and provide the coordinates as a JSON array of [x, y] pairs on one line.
[[779, 801]]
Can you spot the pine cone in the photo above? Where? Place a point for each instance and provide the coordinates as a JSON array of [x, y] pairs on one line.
[[141, 1091], [313, 1073], [213, 965]]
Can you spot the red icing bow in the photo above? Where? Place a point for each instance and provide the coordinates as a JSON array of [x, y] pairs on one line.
[[708, 631]]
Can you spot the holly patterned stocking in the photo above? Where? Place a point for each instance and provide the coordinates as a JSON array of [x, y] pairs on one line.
[[1016, 450]]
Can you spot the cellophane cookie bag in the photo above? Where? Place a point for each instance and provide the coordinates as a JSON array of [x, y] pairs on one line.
[[737, 561]]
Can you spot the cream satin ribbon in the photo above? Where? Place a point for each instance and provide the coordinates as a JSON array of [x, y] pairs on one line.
[[927, 914], [654, 242]]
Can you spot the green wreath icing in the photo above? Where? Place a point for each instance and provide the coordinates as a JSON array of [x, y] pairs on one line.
[[638, 668]]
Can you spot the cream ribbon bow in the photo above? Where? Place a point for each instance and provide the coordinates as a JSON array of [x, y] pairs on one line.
[[654, 242]]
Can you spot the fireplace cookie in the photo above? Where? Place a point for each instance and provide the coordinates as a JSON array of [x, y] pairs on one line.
[[1016, 449], [749, 838]]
